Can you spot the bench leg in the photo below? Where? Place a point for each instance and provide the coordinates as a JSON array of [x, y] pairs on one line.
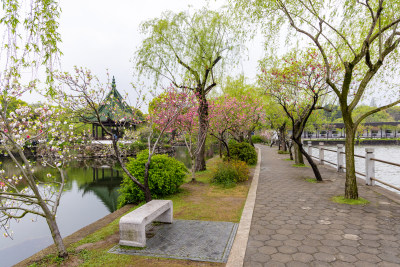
[[132, 235], [166, 217]]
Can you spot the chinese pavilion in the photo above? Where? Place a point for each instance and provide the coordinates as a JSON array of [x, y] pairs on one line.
[[114, 114]]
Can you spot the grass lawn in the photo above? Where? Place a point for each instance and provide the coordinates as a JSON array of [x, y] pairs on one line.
[[195, 201]]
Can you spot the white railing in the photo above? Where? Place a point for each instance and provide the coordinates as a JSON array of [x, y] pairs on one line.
[[369, 157]]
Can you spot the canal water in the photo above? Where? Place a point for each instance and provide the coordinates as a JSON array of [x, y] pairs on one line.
[[387, 173], [91, 192]]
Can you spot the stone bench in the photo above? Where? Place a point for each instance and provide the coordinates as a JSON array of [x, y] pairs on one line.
[[132, 226]]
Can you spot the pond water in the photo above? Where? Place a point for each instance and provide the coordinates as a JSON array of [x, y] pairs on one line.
[[91, 192], [384, 172]]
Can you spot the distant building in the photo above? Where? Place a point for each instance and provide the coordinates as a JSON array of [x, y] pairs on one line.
[[371, 130], [113, 113]]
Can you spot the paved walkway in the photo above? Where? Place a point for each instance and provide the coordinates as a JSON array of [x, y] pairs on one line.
[[295, 223]]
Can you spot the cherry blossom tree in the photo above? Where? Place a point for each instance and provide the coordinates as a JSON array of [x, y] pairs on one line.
[[232, 116], [299, 85], [186, 124], [240, 88]]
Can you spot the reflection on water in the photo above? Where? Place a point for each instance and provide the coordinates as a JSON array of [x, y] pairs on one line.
[[182, 154], [384, 172], [105, 186], [91, 192]]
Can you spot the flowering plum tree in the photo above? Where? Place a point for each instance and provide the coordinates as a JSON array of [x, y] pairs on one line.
[[230, 115], [25, 193], [255, 109], [29, 45], [186, 123], [299, 86]]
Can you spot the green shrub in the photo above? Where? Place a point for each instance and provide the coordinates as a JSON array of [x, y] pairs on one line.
[[229, 173], [138, 146], [258, 139], [225, 175], [283, 152], [244, 152], [242, 169], [166, 174]]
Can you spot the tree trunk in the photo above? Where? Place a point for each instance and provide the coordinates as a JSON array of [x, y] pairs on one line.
[[241, 137], [220, 149], [351, 190], [55, 232], [147, 193], [314, 167], [297, 154], [203, 125], [228, 154], [282, 141], [193, 170], [249, 137], [289, 146]]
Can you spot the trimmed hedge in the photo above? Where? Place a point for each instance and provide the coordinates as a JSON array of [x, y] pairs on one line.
[[166, 174], [244, 152]]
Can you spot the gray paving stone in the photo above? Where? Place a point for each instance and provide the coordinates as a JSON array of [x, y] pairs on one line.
[[389, 258], [296, 264], [368, 257], [298, 225], [303, 257], [281, 257], [267, 250], [307, 249], [274, 264], [387, 264], [325, 257], [346, 257], [287, 249], [260, 257]]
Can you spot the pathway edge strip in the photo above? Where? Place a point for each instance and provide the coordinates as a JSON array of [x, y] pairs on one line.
[[238, 250]]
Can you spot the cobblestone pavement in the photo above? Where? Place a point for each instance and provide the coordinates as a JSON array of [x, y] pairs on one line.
[[295, 223]]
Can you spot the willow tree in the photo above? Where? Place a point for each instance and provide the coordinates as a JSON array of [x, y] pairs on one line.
[[361, 36], [190, 51]]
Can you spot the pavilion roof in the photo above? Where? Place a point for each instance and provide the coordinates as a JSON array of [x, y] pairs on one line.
[[113, 108]]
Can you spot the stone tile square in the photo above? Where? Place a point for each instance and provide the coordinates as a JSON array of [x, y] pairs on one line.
[[187, 239]]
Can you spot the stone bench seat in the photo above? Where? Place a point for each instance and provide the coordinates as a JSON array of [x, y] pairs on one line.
[[132, 226]]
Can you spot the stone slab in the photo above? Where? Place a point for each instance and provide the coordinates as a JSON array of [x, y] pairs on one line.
[[187, 239]]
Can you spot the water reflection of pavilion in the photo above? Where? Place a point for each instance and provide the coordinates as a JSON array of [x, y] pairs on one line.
[[105, 185]]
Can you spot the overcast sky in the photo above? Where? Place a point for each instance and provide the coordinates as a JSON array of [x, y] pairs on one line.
[[103, 34]]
